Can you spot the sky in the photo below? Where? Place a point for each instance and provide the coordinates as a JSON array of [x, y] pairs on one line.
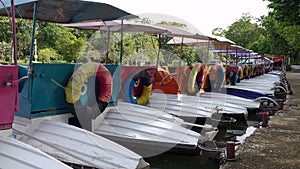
[[203, 15]]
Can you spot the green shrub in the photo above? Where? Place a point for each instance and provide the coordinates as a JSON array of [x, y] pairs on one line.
[[288, 68], [47, 54]]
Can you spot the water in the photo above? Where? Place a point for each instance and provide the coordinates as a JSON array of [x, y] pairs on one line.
[[173, 161]]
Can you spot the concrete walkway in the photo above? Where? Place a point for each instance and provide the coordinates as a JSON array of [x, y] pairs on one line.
[[278, 145]]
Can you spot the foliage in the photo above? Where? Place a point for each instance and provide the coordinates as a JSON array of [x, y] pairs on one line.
[[4, 50], [23, 37], [176, 24], [218, 32], [272, 34], [61, 39], [287, 11], [69, 46], [136, 46], [5, 29], [5, 38], [277, 33], [187, 54], [283, 25], [142, 20], [244, 31], [47, 54]]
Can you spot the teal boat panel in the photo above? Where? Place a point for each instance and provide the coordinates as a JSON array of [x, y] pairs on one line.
[[46, 95], [47, 98], [115, 70], [24, 102]]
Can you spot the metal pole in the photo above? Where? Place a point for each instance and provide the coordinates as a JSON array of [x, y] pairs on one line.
[[121, 43], [236, 56], [206, 57], [14, 29], [226, 54], [30, 69], [158, 52], [107, 46], [181, 46], [33, 34]]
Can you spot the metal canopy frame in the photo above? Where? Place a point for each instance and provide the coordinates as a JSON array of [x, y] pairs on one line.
[[63, 11], [67, 11]]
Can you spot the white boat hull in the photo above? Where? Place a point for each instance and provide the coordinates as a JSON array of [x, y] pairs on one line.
[[76, 146], [235, 100], [191, 104], [15, 154], [149, 135]]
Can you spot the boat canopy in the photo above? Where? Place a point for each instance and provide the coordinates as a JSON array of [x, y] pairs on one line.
[[66, 11], [213, 41], [179, 32], [115, 26]]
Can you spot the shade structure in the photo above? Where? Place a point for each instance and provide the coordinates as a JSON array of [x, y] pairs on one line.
[[114, 26], [222, 41], [179, 32], [215, 42], [236, 49], [66, 11]]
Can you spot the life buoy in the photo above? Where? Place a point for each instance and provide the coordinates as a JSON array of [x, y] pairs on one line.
[[240, 74], [231, 77], [76, 87], [253, 69], [165, 82], [206, 81], [196, 75], [217, 76], [163, 77], [142, 77], [246, 71]]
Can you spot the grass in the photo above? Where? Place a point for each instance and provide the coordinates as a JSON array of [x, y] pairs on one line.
[[26, 62]]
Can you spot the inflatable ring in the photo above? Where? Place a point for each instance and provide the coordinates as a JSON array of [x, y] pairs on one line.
[[163, 76], [217, 76], [74, 91], [252, 71], [231, 77], [240, 74], [246, 71], [196, 75], [144, 78]]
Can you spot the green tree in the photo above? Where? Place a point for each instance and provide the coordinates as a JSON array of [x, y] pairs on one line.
[[5, 29], [283, 25], [69, 46], [48, 34], [218, 32], [61, 39], [189, 54], [47, 54], [5, 38], [5, 49], [23, 37], [244, 31], [287, 11]]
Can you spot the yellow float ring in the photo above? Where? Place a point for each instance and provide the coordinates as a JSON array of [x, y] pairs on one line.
[[197, 68], [81, 74]]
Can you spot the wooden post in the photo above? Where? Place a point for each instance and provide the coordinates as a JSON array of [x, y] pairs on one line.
[[230, 150]]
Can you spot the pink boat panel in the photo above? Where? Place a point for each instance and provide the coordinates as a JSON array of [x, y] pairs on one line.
[[8, 95]]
